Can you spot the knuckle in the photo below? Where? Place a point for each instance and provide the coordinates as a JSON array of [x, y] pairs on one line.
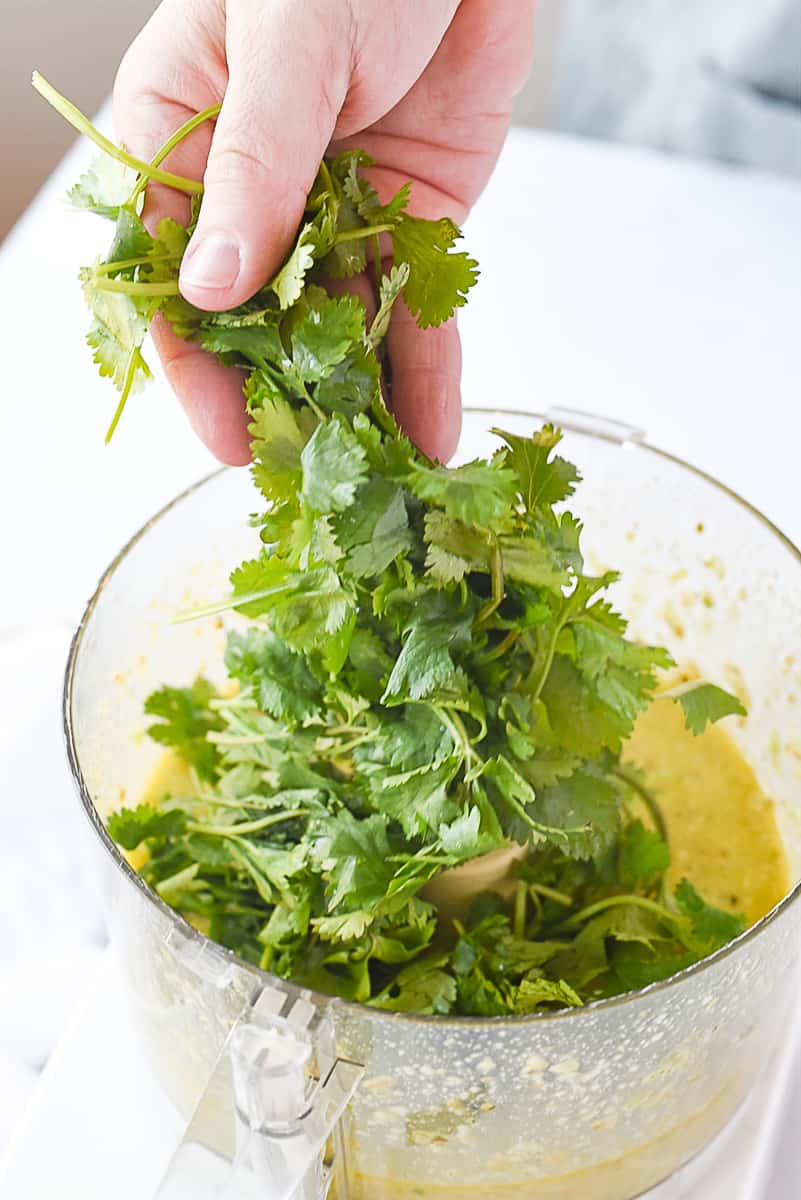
[[263, 166], [234, 162]]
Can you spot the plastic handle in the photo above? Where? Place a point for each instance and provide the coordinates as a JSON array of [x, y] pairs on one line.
[[290, 1091]]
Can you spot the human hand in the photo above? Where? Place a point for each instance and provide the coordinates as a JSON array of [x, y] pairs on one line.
[[424, 86]]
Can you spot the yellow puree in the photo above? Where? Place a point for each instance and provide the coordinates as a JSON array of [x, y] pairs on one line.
[[721, 825], [723, 837]]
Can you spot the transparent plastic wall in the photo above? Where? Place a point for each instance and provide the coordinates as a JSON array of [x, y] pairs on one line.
[[600, 1102]]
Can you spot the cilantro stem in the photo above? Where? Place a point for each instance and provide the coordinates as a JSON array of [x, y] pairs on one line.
[[326, 174], [220, 606], [444, 859], [550, 893], [208, 799], [129, 287], [122, 264], [181, 880], [592, 910], [654, 811], [542, 831], [318, 412], [346, 747], [353, 235], [496, 575], [337, 730], [549, 657], [455, 727], [470, 753], [135, 360], [377, 267], [505, 644], [78, 121], [551, 651], [519, 918], [234, 739], [367, 736], [247, 826], [183, 131]]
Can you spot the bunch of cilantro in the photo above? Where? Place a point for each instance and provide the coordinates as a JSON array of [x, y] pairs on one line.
[[429, 676]]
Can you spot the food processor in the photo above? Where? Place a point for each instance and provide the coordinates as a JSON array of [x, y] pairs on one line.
[[287, 1094]]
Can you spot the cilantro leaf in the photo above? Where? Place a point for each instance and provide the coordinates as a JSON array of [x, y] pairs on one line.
[[463, 838], [586, 808], [391, 287], [643, 856], [422, 987], [534, 993], [358, 851], [375, 531], [434, 632], [277, 443], [478, 493], [439, 279], [288, 282], [704, 703], [314, 606], [258, 345], [368, 664], [599, 648], [583, 721], [343, 927], [711, 927], [129, 827], [116, 335], [406, 739], [131, 239], [104, 187], [453, 548], [544, 480], [324, 335], [185, 721], [280, 678], [352, 386], [419, 799], [334, 465]]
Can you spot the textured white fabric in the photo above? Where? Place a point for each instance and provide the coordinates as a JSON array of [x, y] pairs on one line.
[[51, 931]]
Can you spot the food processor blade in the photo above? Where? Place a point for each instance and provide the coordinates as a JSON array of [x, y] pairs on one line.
[[290, 1090]]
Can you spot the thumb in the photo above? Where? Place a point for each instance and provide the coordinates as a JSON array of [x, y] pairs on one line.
[[289, 68]]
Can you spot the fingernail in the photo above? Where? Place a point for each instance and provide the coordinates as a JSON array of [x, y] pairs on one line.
[[211, 262]]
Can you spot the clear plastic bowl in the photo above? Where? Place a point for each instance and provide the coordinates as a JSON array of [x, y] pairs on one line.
[[600, 1102]]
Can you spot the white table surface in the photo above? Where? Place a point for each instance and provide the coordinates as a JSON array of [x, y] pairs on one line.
[[659, 292]]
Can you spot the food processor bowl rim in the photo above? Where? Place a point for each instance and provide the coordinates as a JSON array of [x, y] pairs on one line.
[[226, 956]]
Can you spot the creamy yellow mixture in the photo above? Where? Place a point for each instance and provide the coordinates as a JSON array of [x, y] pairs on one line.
[[721, 825]]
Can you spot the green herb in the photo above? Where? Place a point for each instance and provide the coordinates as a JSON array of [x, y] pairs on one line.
[[430, 674], [704, 703], [132, 826]]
